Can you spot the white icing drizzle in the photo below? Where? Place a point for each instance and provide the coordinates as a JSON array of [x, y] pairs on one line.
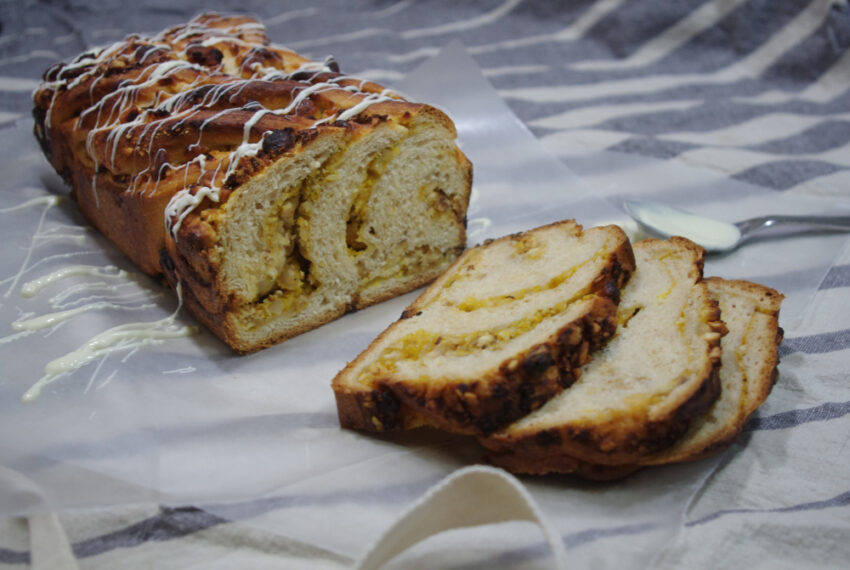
[[223, 39], [367, 102], [47, 202], [184, 202], [127, 338], [183, 370], [99, 290], [477, 226], [47, 260], [13, 337], [32, 287], [53, 319], [53, 234], [131, 336], [102, 384], [27, 324]]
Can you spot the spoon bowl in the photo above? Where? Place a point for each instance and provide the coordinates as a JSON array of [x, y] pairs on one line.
[[715, 235]]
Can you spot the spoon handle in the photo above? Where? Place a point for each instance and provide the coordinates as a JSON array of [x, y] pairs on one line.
[[840, 223]]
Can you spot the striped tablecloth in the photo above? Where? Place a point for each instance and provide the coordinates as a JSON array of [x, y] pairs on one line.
[[707, 102]]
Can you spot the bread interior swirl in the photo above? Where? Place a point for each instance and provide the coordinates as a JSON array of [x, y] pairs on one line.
[[335, 227]]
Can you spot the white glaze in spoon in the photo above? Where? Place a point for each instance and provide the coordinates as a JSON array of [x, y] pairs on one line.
[[715, 235], [664, 220]]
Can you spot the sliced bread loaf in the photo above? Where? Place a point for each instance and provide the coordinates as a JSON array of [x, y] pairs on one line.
[[276, 192], [642, 390], [503, 330]]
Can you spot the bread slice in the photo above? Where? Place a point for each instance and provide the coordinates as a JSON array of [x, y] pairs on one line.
[[747, 374], [276, 191], [503, 330], [642, 390]]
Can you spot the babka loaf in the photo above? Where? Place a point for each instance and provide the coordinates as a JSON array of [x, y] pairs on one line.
[[503, 330], [277, 191], [642, 390], [747, 373]]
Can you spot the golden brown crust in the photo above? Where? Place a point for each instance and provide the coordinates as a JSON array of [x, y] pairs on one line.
[[560, 464], [376, 410], [606, 451], [757, 386]]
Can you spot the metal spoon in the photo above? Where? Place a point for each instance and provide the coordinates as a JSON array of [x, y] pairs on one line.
[[715, 235]]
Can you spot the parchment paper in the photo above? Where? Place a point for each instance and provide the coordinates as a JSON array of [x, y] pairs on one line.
[[256, 437]]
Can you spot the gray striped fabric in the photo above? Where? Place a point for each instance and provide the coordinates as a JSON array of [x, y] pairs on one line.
[[753, 93]]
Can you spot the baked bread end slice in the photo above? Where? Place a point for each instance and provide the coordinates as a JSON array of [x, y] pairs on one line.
[[747, 374], [748, 369]]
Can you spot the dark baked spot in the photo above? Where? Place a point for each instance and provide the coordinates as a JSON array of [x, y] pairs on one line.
[[547, 438], [611, 290], [262, 56], [206, 56], [165, 261], [144, 50], [388, 409], [307, 75], [537, 362], [278, 141]]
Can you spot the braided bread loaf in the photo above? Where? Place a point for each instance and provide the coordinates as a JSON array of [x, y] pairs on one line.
[[277, 191]]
